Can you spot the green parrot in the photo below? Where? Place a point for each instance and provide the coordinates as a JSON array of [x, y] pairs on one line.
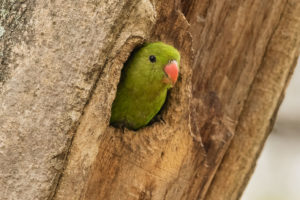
[[146, 77]]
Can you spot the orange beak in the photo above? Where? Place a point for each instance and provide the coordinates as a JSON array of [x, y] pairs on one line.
[[171, 70]]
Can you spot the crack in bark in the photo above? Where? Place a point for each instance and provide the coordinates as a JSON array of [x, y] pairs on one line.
[[261, 64], [251, 88], [273, 118]]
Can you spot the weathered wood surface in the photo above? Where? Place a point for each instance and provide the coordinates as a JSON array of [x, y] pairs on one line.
[[60, 65], [260, 109]]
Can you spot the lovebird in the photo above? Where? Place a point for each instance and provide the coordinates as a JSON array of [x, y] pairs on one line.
[[145, 79]]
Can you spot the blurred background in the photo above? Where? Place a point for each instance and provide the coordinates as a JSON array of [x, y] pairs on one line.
[[277, 173]]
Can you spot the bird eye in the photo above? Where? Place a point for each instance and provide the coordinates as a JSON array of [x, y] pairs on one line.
[[152, 58]]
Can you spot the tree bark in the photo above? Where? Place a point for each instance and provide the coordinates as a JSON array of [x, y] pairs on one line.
[[60, 66]]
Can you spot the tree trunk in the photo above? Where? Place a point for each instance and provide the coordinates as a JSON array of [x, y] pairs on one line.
[[60, 66]]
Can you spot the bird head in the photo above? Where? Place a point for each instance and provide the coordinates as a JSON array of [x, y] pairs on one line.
[[163, 62]]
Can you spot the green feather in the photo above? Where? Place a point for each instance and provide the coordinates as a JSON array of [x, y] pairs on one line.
[[142, 91]]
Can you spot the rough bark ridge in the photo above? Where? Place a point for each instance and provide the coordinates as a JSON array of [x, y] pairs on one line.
[[60, 66], [260, 109]]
